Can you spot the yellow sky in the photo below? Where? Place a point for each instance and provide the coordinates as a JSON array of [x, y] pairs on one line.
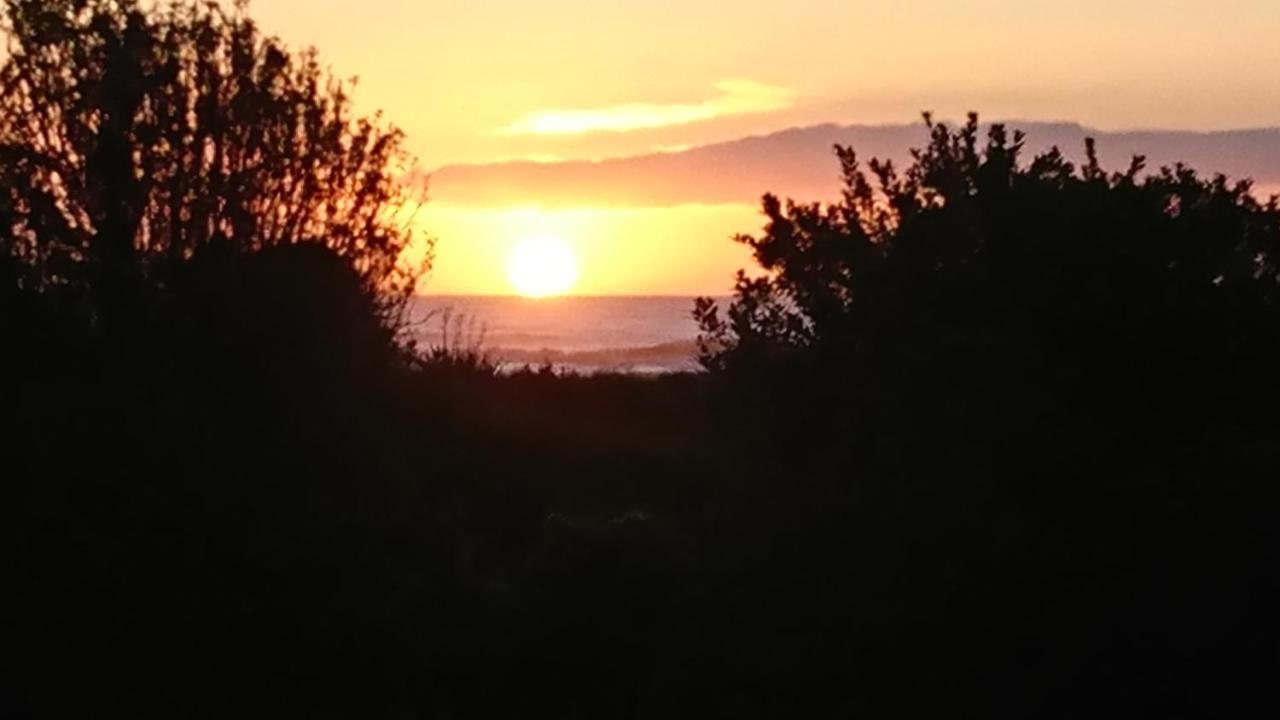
[[681, 250], [486, 80]]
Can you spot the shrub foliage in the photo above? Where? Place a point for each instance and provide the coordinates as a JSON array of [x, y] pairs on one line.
[[131, 139]]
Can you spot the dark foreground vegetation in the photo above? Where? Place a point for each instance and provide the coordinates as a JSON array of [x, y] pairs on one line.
[[997, 436]]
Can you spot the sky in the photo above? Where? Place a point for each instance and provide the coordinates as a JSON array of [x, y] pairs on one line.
[[487, 81]]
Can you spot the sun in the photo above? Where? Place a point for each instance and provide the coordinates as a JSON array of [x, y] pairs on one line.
[[542, 266]]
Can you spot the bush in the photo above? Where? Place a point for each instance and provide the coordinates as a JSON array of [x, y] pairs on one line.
[[130, 140]]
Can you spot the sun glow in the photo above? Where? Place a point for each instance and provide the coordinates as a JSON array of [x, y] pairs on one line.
[[542, 266]]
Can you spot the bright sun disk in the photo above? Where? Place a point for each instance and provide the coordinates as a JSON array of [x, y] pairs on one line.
[[542, 267]]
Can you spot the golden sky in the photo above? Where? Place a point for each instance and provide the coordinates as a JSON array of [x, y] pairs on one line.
[[480, 81]]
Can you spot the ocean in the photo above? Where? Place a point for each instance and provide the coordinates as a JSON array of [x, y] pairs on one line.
[[647, 335]]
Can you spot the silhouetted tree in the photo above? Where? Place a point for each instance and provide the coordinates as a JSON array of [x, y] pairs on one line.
[[1019, 409], [130, 139], [972, 258]]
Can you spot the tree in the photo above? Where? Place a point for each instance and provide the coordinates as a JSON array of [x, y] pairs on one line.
[[972, 258], [131, 140]]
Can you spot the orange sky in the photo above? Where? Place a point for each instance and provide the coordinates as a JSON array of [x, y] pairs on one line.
[[489, 80]]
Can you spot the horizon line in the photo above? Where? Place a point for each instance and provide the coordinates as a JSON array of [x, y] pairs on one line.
[[572, 296]]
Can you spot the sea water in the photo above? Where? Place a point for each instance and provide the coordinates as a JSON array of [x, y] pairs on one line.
[[583, 334]]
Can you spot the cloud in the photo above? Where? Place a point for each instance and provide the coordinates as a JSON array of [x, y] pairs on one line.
[[733, 97]]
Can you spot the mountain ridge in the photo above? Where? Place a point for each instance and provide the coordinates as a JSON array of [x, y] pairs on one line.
[[799, 162]]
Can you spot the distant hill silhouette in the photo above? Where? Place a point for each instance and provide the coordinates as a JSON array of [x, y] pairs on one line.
[[797, 162]]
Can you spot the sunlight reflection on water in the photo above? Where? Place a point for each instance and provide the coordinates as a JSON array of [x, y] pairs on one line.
[[643, 335]]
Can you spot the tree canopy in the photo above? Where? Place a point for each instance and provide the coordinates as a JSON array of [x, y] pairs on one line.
[[973, 251], [133, 138]]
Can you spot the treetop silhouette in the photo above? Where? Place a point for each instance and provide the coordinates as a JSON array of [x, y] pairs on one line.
[[972, 243], [132, 139]]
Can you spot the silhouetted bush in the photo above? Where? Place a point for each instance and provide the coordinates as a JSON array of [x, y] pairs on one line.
[[971, 244], [1010, 292], [459, 356], [1012, 415], [131, 139]]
